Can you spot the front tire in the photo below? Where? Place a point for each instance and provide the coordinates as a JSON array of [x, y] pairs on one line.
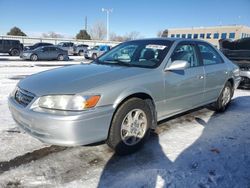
[[224, 99], [130, 126], [33, 57]]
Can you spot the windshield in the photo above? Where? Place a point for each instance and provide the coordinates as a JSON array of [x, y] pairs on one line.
[[140, 53]]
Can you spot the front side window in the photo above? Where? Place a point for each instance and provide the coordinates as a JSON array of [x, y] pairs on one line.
[[147, 54], [45, 49], [185, 52], [209, 55]]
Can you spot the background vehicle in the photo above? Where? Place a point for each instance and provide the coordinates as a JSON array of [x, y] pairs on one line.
[[45, 53], [80, 49], [96, 51], [67, 46], [12, 47], [119, 98], [239, 52], [40, 44]]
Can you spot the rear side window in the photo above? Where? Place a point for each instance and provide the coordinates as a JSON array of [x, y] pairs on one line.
[[187, 53], [209, 55]]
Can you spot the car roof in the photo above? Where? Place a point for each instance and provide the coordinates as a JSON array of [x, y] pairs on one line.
[[169, 39]]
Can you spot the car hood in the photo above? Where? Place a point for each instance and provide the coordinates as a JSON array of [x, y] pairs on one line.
[[77, 78], [27, 51]]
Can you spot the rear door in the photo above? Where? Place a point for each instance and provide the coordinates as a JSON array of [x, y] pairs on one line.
[[184, 88], [216, 71], [53, 52]]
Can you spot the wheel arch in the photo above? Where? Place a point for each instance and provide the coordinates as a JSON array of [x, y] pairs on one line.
[[141, 95], [231, 81]]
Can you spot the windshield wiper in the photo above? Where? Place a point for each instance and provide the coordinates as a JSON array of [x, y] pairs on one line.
[[122, 63]]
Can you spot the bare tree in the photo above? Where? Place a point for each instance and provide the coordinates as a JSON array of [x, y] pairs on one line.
[[98, 31], [114, 37], [132, 36], [52, 34], [159, 33], [164, 33]]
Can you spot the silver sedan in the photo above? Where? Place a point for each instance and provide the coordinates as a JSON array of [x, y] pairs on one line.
[[122, 95]]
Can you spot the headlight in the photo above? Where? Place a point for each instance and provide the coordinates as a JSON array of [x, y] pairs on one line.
[[68, 102]]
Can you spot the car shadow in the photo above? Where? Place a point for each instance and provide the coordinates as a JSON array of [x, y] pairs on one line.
[[215, 155]]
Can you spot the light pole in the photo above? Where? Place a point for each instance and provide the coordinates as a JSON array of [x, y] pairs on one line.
[[107, 11]]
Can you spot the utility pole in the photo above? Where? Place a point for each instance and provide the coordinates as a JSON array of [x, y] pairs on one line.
[[107, 11], [86, 23]]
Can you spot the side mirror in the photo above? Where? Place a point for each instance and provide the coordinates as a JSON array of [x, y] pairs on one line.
[[178, 65]]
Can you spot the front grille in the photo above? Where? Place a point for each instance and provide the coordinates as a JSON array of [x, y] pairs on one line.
[[23, 97]]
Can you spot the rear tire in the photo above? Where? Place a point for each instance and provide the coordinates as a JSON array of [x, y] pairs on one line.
[[224, 99], [15, 52], [33, 57], [130, 126]]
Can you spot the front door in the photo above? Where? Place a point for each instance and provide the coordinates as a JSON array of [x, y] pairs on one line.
[[184, 89]]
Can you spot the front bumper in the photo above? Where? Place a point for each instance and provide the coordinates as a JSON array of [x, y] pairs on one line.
[[65, 128], [25, 56]]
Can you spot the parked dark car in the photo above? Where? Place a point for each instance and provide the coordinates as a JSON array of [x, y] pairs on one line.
[[45, 53], [39, 44], [239, 52], [80, 49], [12, 47]]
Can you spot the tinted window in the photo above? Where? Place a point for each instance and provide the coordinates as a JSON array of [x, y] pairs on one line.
[[208, 35], [183, 36], [195, 36], [209, 55], [52, 48], [45, 49], [187, 53], [189, 36], [172, 35], [178, 35]]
